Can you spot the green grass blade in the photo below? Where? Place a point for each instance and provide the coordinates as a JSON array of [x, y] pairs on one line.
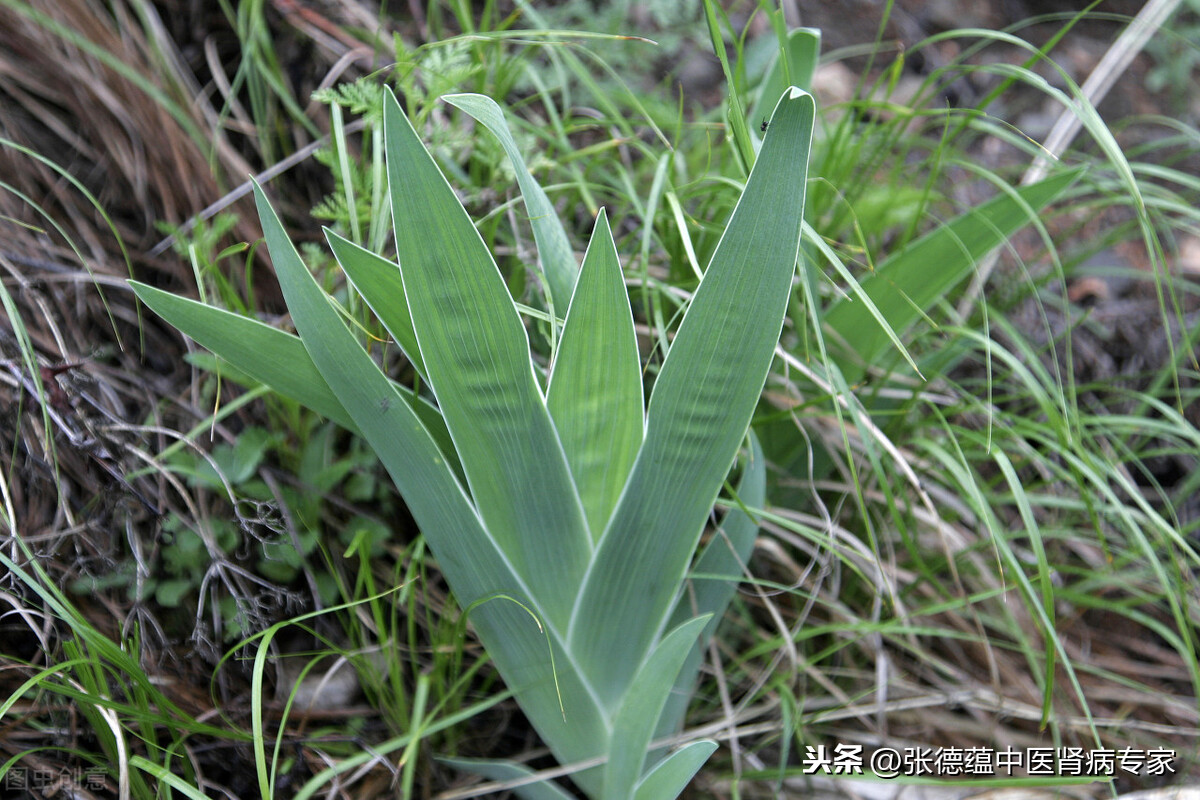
[[714, 580], [379, 282], [595, 393], [672, 774], [904, 287], [476, 355], [735, 112], [98, 646], [475, 565], [559, 268], [332, 774], [167, 777], [1045, 578], [636, 719], [699, 411], [29, 358], [507, 771]]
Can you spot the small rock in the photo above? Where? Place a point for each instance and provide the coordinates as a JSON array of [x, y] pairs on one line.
[[1188, 261], [833, 83]]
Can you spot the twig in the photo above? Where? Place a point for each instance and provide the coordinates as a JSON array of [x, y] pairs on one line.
[[244, 189], [1114, 63]]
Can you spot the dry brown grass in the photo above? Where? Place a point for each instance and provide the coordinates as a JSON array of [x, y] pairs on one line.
[[77, 89], [143, 162], [97, 99]]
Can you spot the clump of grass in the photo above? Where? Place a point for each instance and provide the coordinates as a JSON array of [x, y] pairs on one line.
[[1006, 513]]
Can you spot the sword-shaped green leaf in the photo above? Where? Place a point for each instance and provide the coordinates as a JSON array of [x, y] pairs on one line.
[[635, 720], [269, 355], [481, 572], [669, 776], [554, 249], [906, 285], [378, 279], [715, 576], [276, 359], [802, 55], [595, 393], [477, 361], [699, 410]]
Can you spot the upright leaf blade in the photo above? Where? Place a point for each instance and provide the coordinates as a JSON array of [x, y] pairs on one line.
[[669, 776], [408, 452], [802, 54], [381, 285], [480, 571], [637, 717], [554, 249], [476, 355], [906, 285], [595, 393], [699, 411], [726, 556]]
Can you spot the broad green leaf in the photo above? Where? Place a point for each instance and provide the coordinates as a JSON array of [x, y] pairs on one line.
[[378, 281], [480, 571], [477, 361], [906, 285], [714, 579], [699, 410], [669, 777], [554, 249], [637, 717], [595, 393], [274, 358], [803, 52], [202, 359], [266, 354], [507, 771]]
